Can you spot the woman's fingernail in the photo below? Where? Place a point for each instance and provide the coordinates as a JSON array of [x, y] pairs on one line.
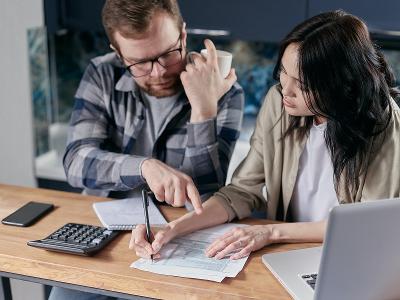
[[156, 247]]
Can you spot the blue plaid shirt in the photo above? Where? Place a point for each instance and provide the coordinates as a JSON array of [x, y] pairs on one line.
[[108, 115]]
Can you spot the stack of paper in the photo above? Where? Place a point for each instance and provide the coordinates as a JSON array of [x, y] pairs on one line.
[[185, 257]]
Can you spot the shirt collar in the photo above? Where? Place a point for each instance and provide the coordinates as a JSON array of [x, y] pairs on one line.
[[125, 83]]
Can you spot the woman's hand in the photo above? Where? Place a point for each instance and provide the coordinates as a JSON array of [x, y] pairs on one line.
[[213, 214], [241, 241], [143, 248]]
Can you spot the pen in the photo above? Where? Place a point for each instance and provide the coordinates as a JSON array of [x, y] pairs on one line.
[[145, 198]]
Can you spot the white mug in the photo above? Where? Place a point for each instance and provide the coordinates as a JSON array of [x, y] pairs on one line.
[[224, 61]]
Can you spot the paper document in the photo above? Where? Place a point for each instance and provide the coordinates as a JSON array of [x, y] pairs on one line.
[[125, 214], [185, 257]]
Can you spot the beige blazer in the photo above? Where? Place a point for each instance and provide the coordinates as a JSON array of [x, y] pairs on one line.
[[266, 177]]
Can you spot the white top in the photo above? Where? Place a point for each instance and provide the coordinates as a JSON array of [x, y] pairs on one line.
[[314, 194]]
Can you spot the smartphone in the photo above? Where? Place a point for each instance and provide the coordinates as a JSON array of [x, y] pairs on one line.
[[28, 214]]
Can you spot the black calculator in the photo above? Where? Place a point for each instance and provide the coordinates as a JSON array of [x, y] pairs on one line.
[[76, 239]]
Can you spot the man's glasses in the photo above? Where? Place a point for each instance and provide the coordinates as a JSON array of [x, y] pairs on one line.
[[167, 59]]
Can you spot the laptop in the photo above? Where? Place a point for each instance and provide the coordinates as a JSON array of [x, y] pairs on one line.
[[359, 259]]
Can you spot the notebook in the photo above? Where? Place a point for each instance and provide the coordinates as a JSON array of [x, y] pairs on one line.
[[125, 214]]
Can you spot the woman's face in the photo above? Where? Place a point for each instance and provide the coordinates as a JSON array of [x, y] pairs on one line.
[[292, 92]]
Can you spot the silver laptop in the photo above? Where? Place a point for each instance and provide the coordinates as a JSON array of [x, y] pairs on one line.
[[360, 257]]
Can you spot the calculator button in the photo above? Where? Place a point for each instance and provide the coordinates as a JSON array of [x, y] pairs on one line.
[[96, 241]]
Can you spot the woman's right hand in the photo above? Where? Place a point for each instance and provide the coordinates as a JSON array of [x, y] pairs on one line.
[[143, 248]]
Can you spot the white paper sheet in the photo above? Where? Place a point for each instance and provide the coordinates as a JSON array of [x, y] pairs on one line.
[[184, 257]]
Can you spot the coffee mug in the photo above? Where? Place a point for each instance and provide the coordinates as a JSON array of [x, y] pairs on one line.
[[224, 61]]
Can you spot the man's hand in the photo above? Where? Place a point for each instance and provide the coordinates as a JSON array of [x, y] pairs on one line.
[[170, 185], [143, 248], [204, 85]]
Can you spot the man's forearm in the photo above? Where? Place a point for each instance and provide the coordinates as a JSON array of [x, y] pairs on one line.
[[203, 115], [91, 167], [213, 214], [205, 156], [211, 142]]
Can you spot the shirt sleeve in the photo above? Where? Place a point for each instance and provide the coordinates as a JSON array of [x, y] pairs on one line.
[[210, 144], [87, 162]]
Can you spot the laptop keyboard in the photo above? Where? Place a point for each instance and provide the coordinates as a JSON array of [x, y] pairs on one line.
[[310, 279]]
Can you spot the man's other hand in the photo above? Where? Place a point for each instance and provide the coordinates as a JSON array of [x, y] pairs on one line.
[[204, 85]]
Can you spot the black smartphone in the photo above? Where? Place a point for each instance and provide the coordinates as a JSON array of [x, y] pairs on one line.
[[28, 214]]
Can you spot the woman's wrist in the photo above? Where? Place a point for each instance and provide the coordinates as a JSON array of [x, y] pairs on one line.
[[301, 232], [174, 227], [213, 214], [180, 226], [274, 233]]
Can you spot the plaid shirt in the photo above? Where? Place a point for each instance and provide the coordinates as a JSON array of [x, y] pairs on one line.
[[108, 115]]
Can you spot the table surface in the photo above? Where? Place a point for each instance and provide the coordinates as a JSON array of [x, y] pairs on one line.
[[109, 269]]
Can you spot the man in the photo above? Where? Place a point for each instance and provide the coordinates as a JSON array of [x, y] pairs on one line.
[[142, 115]]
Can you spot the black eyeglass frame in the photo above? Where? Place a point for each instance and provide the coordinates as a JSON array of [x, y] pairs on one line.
[[156, 59]]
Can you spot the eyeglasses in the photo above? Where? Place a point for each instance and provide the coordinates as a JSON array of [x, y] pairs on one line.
[[166, 60]]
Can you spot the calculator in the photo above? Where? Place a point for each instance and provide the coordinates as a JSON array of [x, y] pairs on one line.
[[78, 239]]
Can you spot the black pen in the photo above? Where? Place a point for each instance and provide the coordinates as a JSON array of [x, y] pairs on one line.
[[145, 198]]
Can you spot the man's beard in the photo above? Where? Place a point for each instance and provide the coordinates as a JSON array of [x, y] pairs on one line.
[[165, 92]]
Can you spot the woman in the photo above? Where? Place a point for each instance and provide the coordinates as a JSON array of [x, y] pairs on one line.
[[328, 134]]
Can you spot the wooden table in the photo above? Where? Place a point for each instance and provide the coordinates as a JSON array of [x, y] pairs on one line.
[[108, 272]]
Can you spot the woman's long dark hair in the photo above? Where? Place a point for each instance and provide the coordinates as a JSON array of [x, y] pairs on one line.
[[346, 80]]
